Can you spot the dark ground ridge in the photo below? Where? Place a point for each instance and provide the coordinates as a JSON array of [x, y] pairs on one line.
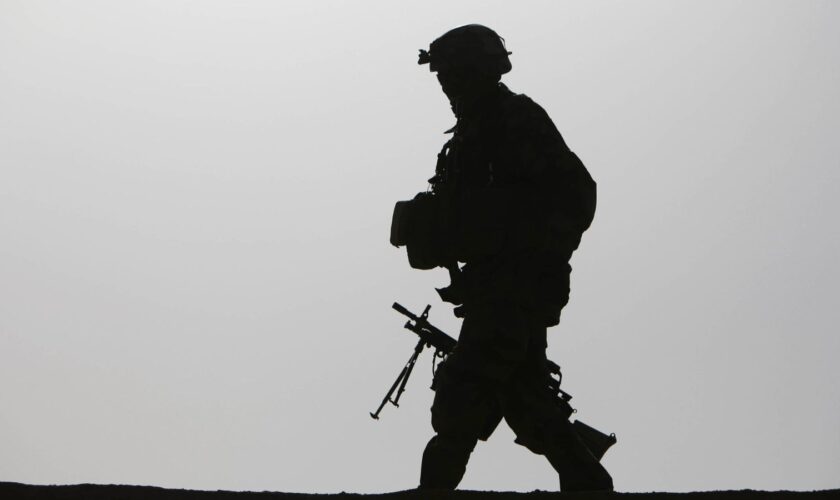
[[14, 491]]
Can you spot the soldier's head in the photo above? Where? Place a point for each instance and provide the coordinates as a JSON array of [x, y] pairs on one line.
[[468, 60]]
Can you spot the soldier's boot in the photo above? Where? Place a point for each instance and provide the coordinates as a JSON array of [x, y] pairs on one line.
[[578, 469], [445, 461]]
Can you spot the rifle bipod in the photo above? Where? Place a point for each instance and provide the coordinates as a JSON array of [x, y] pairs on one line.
[[402, 379]]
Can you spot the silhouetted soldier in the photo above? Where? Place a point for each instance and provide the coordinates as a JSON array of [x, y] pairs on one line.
[[510, 200]]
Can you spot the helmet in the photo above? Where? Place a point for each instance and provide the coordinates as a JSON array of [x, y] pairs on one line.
[[473, 47]]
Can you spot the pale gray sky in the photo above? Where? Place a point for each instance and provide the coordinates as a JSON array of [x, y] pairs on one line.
[[195, 275]]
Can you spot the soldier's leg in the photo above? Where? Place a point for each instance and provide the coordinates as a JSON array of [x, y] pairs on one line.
[[445, 461], [465, 410], [578, 469], [541, 423], [466, 406]]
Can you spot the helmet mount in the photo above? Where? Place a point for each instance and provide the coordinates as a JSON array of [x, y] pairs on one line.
[[472, 48]]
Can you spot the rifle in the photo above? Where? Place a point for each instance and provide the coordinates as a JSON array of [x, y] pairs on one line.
[[431, 336]]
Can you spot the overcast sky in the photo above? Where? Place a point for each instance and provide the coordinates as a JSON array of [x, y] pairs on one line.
[[196, 280]]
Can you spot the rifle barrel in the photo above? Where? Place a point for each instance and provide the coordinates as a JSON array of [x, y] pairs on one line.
[[402, 310]]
